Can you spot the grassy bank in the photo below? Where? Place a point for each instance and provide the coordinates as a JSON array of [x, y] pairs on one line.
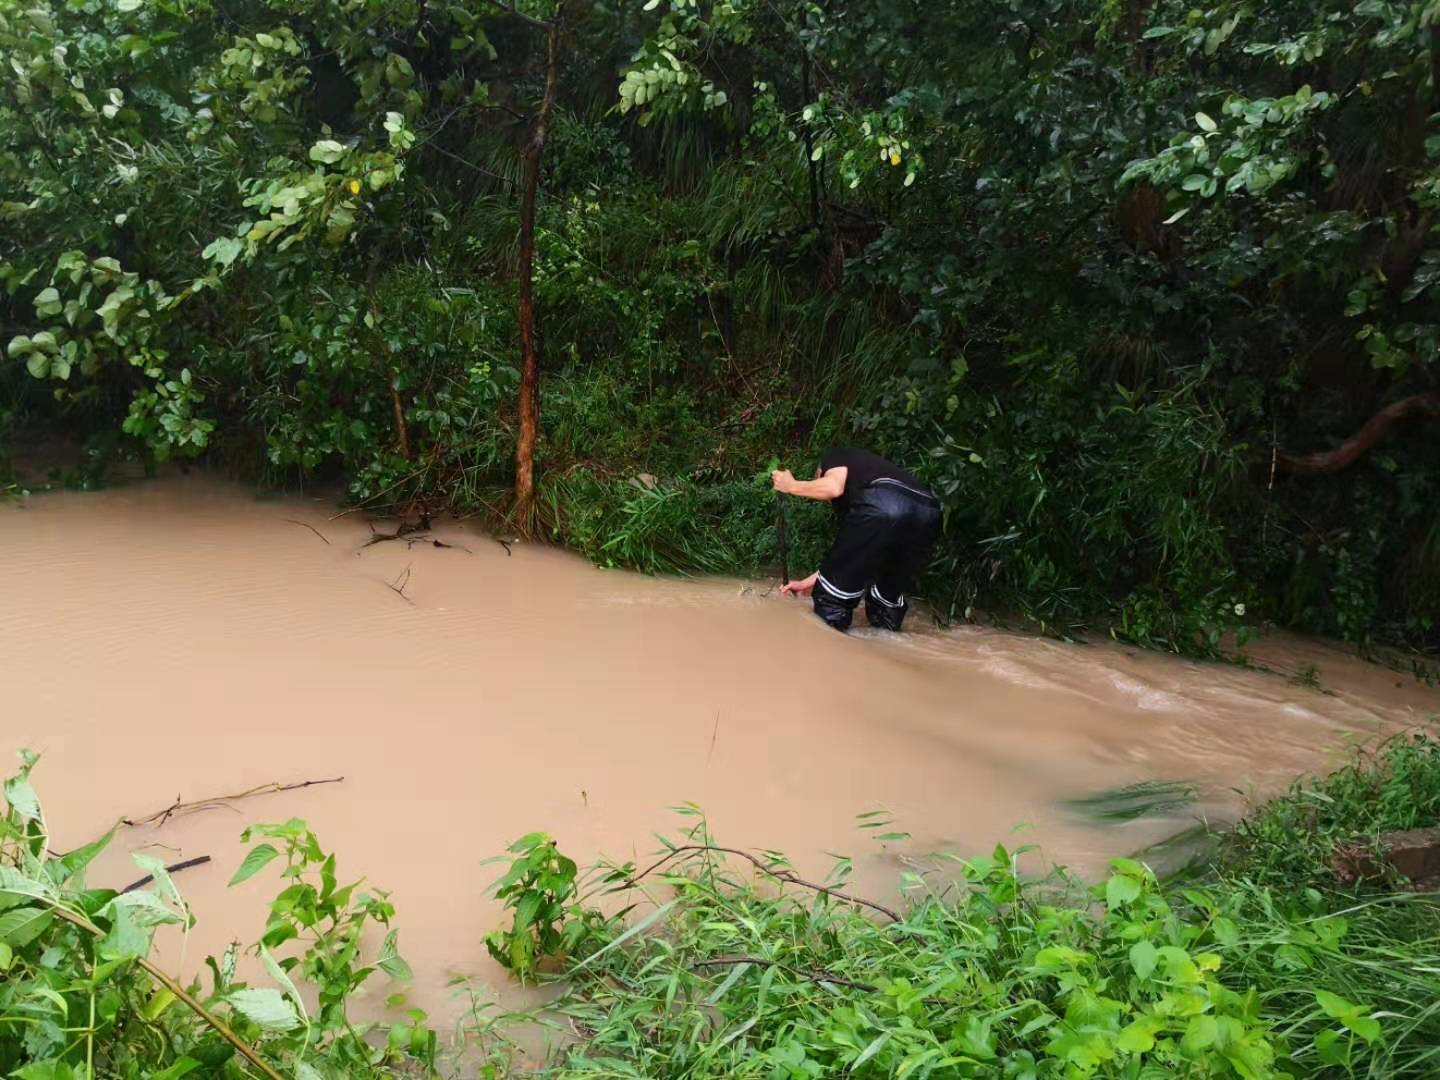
[[727, 965]]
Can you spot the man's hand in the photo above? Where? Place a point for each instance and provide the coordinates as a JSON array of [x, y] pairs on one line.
[[800, 588], [783, 481]]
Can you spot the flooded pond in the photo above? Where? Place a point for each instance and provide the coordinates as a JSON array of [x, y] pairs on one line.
[[180, 639]]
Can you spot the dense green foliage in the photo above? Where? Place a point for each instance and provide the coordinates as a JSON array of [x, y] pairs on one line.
[[1099, 271], [1266, 966], [79, 997]]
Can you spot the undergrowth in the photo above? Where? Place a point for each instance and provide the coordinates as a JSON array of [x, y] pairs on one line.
[[728, 964]]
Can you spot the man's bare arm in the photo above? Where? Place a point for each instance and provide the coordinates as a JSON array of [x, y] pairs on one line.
[[827, 487]]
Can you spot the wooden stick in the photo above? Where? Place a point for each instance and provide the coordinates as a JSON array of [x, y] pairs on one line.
[[174, 868], [784, 542]]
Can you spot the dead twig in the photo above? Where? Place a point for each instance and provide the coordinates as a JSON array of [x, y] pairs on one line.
[[714, 734], [312, 528], [779, 874], [179, 809], [402, 530], [398, 585], [505, 544], [173, 868]]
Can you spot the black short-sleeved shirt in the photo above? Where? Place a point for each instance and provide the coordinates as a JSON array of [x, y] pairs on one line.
[[863, 468]]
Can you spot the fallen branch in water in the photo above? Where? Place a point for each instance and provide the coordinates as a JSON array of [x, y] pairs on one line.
[[174, 868], [504, 544], [312, 528], [786, 876], [402, 530], [398, 585], [178, 808], [411, 541]]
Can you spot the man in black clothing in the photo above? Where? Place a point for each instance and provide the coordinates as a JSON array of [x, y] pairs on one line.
[[888, 524]]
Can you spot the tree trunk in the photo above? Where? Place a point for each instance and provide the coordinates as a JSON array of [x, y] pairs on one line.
[[529, 405], [1355, 447]]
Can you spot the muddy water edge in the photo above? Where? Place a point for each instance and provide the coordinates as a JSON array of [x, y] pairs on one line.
[[180, 639]]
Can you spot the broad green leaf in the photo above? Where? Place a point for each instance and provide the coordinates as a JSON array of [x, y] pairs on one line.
[[279, 975], [256, 860], [44, 1070], [20, 926], [1139, 1036], [1336, 1006], [1059, 956], [48, 302], [73, 864], [1332, 1047], [1204, 122], [128, 5], [1225, 931], [156, 869], [22, 798], [390, 961], [184, 1067], [1143, 957], [327, 151], [15, 883], [224, 250], [265, 1007], [876, 1045], [148, 909], [161, 1000], [1200, 1034], [1121, 890], [127, 939]]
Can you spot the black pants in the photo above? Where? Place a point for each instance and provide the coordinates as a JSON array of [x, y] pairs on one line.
[[884, 543]]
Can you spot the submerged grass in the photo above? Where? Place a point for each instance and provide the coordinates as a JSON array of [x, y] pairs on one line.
[[1150, 798]]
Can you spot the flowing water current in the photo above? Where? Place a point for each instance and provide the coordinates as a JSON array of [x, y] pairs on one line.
[[179, 640]]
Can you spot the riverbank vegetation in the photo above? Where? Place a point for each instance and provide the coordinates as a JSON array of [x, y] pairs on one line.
[[1265, 962], [1144, 290]]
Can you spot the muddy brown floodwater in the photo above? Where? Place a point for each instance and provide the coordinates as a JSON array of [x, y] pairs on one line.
[[182, 638]]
